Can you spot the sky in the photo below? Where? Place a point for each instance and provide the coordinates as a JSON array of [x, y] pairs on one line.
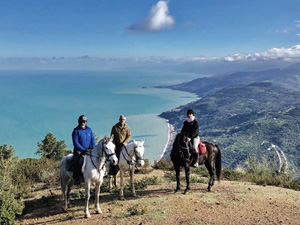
[[186, 30]]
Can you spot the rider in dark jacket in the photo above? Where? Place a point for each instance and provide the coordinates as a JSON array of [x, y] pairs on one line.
[[83, 140], [191, 130]]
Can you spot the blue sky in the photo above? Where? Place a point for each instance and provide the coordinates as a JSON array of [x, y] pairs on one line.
[[192, 29]]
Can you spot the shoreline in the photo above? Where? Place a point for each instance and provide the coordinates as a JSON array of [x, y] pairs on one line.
[[169, 139]]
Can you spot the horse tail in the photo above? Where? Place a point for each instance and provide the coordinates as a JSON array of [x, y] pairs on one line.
[[218, 163]]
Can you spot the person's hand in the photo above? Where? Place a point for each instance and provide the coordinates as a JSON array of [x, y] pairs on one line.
[[87, 151], [189, 139]]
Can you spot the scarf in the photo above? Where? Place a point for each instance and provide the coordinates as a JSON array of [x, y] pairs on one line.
[[190, 119]]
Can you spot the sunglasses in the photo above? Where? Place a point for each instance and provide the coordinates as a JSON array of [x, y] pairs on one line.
[[84, 121]]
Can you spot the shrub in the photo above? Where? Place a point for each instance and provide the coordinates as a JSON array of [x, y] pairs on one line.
[[163, 165], [10, 204]]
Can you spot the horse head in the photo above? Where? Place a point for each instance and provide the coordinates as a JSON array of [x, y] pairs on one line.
[[109, 149], [139, 152], [181, 145]]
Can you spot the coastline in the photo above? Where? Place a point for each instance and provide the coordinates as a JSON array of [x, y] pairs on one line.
[[166, 149]]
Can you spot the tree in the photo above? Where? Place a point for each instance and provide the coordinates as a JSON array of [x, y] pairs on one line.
[[6, 152], [50, 148]]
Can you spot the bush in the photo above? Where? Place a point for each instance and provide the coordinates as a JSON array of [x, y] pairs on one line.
[[10, 204], [163, 165]]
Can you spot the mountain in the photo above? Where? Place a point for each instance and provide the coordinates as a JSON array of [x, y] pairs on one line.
[[288, 77], [247, 118]]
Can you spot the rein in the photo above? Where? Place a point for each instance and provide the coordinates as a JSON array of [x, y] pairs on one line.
[[106, 156], [133, 160]]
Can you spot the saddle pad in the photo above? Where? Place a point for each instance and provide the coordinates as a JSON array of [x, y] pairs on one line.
[[201, 148]]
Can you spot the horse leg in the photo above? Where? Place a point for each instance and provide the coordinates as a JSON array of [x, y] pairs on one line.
[[121, 197], [187, 178], [132, 182], [87, 198], [68, 191], [64, 192], [211, 175], [177, 170], [97, 193], [112, 182]]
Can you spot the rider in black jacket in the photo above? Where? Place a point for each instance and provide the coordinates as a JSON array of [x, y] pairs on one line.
[[191, 130]]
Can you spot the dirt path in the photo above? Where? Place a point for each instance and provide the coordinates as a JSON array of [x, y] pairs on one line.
[[228, 203]]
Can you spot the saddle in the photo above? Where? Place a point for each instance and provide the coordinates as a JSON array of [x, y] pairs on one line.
[[69, 163], [201, 148]]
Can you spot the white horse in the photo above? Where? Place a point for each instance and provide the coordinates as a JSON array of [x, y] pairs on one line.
[[93, 170], [130, 157]]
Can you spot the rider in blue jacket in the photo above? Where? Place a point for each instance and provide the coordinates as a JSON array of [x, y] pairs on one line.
[[83, 140]]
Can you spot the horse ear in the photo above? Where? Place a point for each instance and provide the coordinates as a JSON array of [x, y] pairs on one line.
[[112, 137], [105, 138], [143, 141]]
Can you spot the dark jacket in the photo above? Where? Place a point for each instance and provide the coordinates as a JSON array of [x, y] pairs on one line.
[[190, 129], [83, 139]]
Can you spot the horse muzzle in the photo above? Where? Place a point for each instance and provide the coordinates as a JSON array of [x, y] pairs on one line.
[[114, 160], [141, 162]]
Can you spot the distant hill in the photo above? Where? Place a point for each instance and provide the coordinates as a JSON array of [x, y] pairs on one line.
[[248, 118], [288, 77]]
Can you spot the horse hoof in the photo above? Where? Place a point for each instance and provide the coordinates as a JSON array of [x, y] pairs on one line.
[[176, 190], [208, 189], [186, 191], [99, 211], [87, 216]]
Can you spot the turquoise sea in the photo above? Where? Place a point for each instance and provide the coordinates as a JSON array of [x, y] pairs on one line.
[[34, 103]]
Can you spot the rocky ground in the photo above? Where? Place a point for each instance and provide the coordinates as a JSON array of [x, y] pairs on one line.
[[227, 203]]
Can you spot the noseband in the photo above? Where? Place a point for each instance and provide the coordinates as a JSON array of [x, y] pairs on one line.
[[105, 153], [133, 161]]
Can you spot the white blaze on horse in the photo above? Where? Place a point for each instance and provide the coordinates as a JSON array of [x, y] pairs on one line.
[[93, 170], [131, 156]]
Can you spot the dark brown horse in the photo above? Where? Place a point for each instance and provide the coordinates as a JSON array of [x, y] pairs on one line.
[[181, 157]]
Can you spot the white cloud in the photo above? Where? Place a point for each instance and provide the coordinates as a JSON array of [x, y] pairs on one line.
[[271, 54], [298, 23], [158, 19], [284, 31]]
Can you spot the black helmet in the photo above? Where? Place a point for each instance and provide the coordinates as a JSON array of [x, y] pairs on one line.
[[82, 118], [190, 111]]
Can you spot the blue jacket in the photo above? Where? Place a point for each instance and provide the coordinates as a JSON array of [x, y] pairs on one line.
[[83, 139]]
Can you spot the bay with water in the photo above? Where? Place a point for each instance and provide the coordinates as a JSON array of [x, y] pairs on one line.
[[34, 103]]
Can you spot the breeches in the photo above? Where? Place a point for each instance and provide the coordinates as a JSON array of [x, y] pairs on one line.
[[196, 142]]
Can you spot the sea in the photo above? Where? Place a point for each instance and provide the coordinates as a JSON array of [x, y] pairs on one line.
[[34, 103]]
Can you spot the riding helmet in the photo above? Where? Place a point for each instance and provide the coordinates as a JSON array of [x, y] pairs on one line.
[[190, 111], [82, 118]]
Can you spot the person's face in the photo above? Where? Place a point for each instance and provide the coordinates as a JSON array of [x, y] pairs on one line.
[[83, 124], [190, 115], [122, 120]]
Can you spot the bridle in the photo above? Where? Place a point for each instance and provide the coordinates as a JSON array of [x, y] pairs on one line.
[[106, 156], [133, 160]]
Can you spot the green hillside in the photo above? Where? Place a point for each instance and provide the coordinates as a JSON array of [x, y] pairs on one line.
[[245, 119], [288, 77]]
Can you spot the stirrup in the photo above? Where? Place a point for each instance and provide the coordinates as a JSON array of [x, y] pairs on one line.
[[195, 165]]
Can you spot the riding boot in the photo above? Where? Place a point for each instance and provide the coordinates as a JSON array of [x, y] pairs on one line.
[[113, 170], [196, 161], [76, 168]]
